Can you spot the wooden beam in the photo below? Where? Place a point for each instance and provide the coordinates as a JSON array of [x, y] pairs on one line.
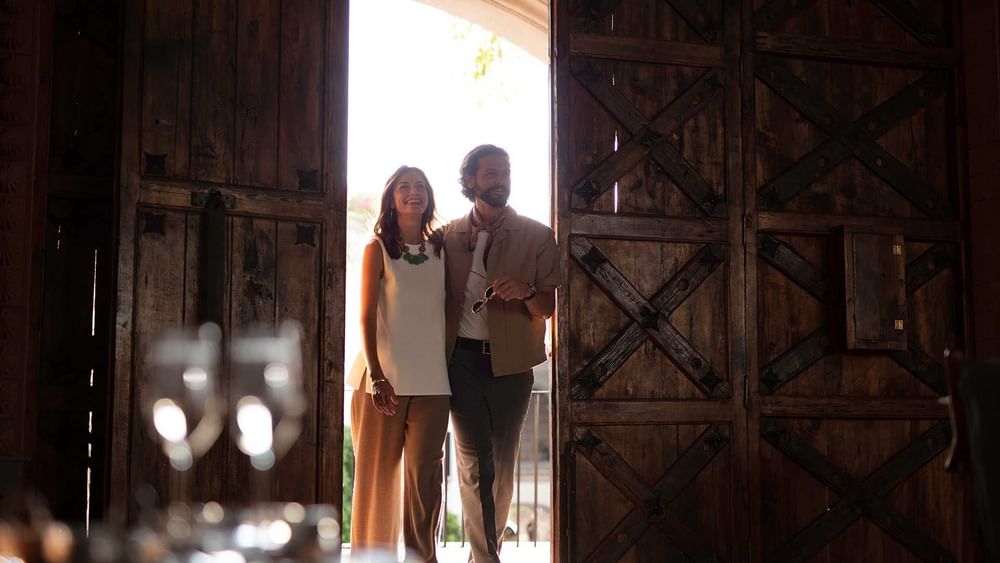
[[650, 412], [912, 229], [843, 407], [674, 229], [850, 50], [646, 50]]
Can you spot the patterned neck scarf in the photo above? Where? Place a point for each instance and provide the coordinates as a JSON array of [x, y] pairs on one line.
[[479, 226]]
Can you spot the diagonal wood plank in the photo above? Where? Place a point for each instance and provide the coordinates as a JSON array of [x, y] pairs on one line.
[[792, 362], [607, 362], [696, 14], [770, 15], [851, 138], [915, 23], [923, 367], [651, 138], [831, 523], [923, 268], [651, 505], [860, 498], [786, 260], [698, 370]]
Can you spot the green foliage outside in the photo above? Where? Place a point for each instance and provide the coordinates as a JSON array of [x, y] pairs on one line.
[[348, 486]]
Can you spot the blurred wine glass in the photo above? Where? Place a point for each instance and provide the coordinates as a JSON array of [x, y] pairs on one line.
[[266, 392], [183, 403]]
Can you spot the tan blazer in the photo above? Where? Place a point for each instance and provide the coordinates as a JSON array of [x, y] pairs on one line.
[[523, 249]]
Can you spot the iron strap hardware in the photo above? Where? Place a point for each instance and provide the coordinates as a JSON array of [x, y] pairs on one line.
[[212, 254], [201, 199]]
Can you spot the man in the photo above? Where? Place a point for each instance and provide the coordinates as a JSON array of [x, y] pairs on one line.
[[502, 271]]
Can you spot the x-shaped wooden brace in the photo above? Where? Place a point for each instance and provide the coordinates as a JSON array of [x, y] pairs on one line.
[[865, 498], [681, 285], [652, 505], [851, 139], [588, 12], [648, 138], [903, 12], [814, 346], [651, 318]]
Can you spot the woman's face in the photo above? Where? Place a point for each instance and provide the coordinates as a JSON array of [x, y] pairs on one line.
[[409, 196]]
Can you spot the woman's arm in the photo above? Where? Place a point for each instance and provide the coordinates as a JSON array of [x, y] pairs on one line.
[[371, 276]]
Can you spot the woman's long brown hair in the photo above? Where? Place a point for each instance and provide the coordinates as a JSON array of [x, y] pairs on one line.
[[387, 227]]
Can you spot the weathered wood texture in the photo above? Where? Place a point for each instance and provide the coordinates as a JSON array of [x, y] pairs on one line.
[[817, 116], [25, 43], [853, 124], [247, 98], [650, 368]]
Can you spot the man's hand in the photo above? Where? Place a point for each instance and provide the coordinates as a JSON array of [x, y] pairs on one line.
[[508, 288]]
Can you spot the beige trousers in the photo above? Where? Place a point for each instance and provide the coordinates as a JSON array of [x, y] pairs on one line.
[[412, 440]]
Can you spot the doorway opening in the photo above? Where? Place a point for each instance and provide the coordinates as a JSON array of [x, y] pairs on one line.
[[426, 86]]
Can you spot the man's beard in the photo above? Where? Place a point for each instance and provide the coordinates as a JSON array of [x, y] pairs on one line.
[[496, 197]]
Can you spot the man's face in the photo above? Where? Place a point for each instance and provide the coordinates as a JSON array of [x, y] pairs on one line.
[[492, 180]]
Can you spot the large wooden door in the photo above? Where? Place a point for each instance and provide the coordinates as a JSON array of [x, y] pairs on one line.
[[709, 155], [651, 362], [248, 99], [851, 123]]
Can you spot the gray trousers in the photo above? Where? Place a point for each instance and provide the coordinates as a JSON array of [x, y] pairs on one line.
[[487, 414]]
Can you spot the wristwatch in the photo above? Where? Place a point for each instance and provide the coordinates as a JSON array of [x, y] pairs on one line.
[[534, 292]]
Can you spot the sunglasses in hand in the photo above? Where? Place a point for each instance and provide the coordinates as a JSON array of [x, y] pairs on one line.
[[481, 304]]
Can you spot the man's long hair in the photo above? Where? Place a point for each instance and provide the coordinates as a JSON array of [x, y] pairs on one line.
[[387, 225], [470, 165]]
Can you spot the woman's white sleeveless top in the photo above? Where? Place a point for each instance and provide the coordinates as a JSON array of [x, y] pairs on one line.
[[410, 329]]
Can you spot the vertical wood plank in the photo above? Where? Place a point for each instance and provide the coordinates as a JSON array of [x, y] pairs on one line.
[[165, 91], [213, 91], [257, 86], [301, 95], [159, 304], [253, 286], [297, 298]]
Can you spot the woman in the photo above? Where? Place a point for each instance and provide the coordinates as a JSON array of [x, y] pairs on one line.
[[403, 412]]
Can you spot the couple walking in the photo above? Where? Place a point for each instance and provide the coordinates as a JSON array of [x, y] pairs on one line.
[[452, 320]]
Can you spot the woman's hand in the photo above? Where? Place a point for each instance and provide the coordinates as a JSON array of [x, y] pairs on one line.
[[384, 397]]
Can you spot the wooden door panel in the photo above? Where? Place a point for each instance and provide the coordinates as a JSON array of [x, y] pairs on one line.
[[847, 120], [233, 93], [663, 124], [248, 99], [653, 491], [276, 276], [814, 470], [797, 352], [686, 282], [853, 107], [649, 386], [876, 151], [166, 296]]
